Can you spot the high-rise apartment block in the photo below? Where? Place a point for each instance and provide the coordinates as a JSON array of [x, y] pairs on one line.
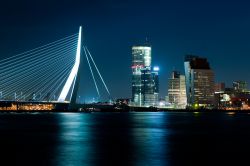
[[199, 82], [145, 82]]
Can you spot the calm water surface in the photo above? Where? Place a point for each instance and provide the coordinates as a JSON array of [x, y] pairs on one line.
[[140, 139]]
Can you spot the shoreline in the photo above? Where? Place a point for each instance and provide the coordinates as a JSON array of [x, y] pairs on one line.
[[124, 111]]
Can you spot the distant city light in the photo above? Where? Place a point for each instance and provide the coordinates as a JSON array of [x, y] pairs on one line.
[[162, 103], [156, 68]]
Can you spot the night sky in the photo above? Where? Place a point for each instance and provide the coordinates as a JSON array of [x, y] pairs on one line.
[[218, 30]]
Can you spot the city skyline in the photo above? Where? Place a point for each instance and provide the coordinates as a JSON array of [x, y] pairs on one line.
[[124, 82], [221, 36]]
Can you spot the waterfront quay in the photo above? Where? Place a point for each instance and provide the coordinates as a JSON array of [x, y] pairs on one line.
[[31, 106], [35, 106]]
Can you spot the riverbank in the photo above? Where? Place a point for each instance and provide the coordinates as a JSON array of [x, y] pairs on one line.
[[137, 109]]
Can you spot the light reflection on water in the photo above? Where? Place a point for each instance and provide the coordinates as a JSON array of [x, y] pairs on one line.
[[150, 134], [138, 139], [120, 139], [74, 142]]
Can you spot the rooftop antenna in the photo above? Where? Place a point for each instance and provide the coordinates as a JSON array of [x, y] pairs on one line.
[[147, 41]]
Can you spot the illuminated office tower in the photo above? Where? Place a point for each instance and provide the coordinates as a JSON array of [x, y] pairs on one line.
[[199, 82], [155, 77], [240, 86], [177, 90], [144, 91]]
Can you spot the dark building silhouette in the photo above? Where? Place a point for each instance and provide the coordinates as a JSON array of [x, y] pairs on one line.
[[219, 87]]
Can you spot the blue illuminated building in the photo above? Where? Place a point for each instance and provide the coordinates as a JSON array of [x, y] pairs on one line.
[[145, 83]]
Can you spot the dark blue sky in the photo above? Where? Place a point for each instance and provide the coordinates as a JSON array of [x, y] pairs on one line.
[[218, 30]]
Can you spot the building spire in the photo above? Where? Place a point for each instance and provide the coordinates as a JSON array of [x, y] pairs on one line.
[[147, 43]]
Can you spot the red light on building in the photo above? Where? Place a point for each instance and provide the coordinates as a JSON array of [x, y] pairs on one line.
[[137, 66], [133, 67]]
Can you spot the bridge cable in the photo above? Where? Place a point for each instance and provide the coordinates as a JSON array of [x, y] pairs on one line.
[[98, 71], [42, 70], [93, 77]]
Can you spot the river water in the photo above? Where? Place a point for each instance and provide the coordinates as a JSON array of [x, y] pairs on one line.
[[140, 139]]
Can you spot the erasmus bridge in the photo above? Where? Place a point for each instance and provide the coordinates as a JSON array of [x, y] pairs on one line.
[[49, 73]]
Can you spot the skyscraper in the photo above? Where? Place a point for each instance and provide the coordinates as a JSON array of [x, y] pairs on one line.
[[177, 90], [199, 82], [155, 82], [144, 91]]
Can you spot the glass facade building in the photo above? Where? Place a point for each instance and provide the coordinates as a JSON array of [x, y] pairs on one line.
[[240, 86], [144, 82]]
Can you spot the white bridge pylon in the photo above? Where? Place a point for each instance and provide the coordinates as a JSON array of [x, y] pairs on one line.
[[73, 74]]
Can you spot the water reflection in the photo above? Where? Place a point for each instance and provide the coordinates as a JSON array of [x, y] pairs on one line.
[[112, 139], [231, 113], [74, 140], [150, 138], [124, 139]]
